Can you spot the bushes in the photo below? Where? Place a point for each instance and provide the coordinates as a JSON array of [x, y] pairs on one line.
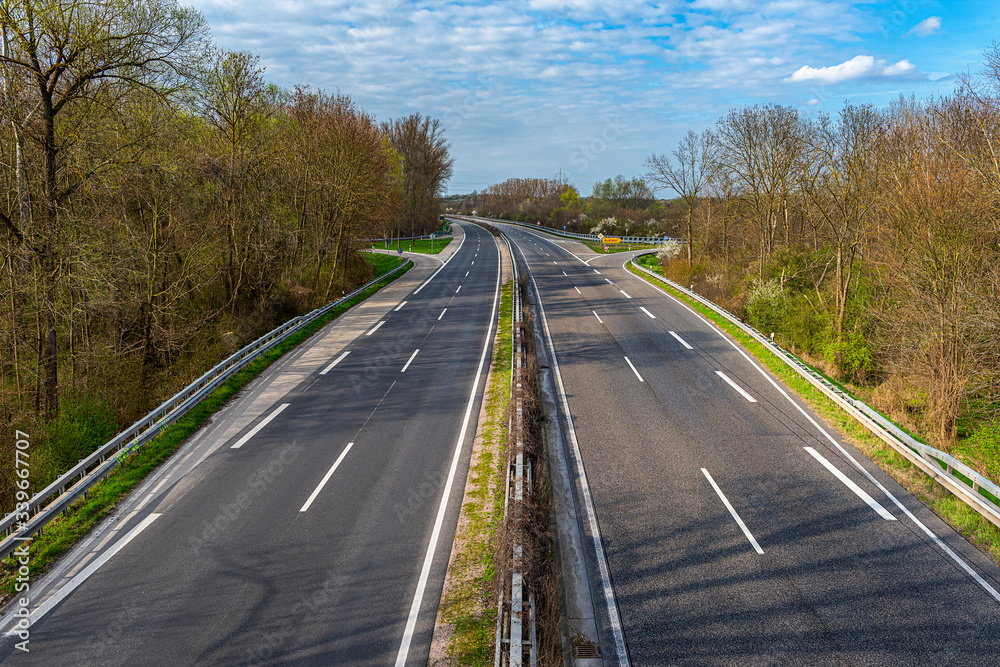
[[84, 423]]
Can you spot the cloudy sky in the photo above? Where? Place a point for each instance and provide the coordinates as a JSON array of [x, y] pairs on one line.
[[588, 88]]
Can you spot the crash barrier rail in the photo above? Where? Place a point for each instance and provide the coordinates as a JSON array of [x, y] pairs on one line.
[[516, 627], [648, 240], [30, 517], [968, 484]]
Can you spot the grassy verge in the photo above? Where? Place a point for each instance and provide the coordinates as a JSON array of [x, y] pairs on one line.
[[426, 246], [467, 604], [617, 247], [64, 531], [955, 512]]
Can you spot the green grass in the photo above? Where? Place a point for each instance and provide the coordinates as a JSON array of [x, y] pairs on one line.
[[963, 518], [617, 247], [426, 246], [63, 532], [467, 606]]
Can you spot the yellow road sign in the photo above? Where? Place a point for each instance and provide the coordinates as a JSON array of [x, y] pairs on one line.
[[611, 239]]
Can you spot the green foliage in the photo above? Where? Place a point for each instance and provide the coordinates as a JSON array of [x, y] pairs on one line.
[[766, 305], [84, 423], [851, 354]]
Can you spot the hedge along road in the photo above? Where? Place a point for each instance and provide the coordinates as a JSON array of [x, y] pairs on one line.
[[311, 521], [737, 528]]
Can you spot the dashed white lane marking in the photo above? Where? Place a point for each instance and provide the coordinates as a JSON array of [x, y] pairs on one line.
[[459, 287], [577, 289], [334, 363], [725, 501], [442, 314], [647, 312], [399, 307], [874, 504], [735, 386], [627, 296], [609, 281], [565, 274], [267, 420], [597, 316], [681, 340], [374, 328], [407, 365], [326, 477], [629, 362], [466, 274]]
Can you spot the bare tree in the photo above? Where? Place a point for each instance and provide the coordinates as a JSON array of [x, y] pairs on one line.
[[427, 166]]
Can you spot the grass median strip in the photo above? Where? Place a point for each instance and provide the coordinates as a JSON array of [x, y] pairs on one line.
[[950, 508], [64, 531]]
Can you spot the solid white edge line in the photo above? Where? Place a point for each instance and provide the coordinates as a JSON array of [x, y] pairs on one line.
[[651, 315], [326, 477], [442, 314], [335, 362], [407, 364], [681, 340], [267, 420], [732, 510], [629, 361], [418, 595], [735, 386], [584, 492], [896, 501], [597, 316], [627, 296], [397, 308], [846, 481], [84, 574], [374, 328]]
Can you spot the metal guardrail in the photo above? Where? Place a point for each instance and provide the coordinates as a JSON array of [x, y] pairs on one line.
[[30, 517], [648, 240], [967, 484]]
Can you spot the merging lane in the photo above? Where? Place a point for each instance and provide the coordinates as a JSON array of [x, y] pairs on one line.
[[736, 527], [318, 531]]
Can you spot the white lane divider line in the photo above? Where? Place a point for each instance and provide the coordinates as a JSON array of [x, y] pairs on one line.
[[681, 340], [466, 274], [577, 290], [874, 504], [732, 510], [735, 386], [84, 574], [629, 362], [609, 281], [554, 261], [597, 316], [459, 287], [374, 328], [565, 274], [651, 315], [267, 420], [407, 364], [399, 307], [625, 293], [597, 272], [334, 363], [442, 314], [326, 477]]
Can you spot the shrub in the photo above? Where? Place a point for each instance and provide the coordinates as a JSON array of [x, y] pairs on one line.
[[84, 424], [766, 305]]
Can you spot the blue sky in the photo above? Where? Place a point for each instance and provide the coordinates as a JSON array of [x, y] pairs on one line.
[[589, 88]]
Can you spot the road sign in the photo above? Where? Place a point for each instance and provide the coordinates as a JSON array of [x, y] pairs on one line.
[[600, 236], [610, 239], [399, 250]]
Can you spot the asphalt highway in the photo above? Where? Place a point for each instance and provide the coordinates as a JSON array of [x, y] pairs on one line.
[[311, 522], [736, 527]]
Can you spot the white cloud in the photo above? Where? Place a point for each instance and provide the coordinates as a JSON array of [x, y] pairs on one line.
[[857, 67], [926, 27]]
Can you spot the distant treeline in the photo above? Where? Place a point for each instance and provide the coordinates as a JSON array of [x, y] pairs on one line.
[[163, 205]]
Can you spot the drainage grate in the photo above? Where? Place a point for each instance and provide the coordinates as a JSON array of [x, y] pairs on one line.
[[586, 650]]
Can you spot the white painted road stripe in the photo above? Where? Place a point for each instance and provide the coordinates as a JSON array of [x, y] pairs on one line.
[[597, 272], [442, 314], [647, 312], [459, 287], [334, 363], [629, 361], [609, 281], [374, 328], [735, 386], [473, 263], [75, 582], [400, 306], [565, 274], [681, 340], [407, 365], [725, 501], [874, 504], [466, 274], [597, 316], [242, 441], [625, 293], [326, 478], [577, 289]]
